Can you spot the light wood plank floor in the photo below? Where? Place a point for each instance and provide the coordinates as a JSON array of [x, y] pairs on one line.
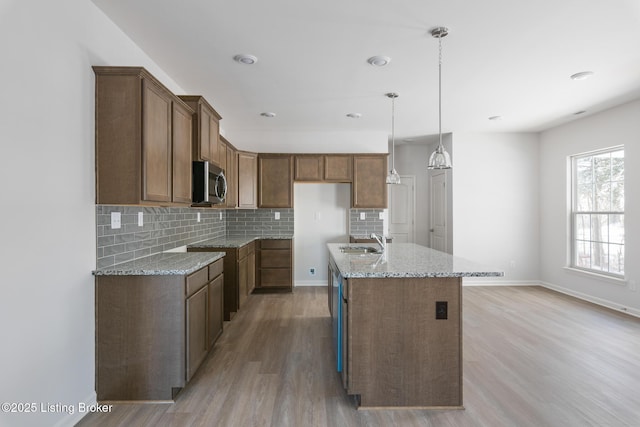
[[532, 357]]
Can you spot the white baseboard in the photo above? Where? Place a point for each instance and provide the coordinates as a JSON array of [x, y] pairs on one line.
[[496, 281], [599, 301], [310, 283], [72, 419]]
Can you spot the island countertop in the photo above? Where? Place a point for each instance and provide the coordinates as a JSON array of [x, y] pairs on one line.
[[405, 260]]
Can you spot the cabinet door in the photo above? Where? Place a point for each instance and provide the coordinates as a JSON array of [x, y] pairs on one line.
[[156, 143], [232, 177], [215, 309], [197, 340], [204, 139], [275, 181], [338, 168], [181, 154], [309, 168], [243, 278], [247, 179], [214, 139], [369, 189], [251, 271]]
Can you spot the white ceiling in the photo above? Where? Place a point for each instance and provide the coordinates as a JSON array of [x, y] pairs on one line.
[[501, 57]]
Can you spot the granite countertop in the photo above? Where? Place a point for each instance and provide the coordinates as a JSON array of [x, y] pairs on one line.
[[405, 260], [235, 242], [162, 264]]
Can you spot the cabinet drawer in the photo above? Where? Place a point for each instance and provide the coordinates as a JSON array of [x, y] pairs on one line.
[[197, 280], [275, 258], [275, 244], [246, 250], [280, 277], [215, 269]]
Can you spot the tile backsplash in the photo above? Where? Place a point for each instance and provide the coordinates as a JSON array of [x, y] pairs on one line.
[[162, 229], [248, 222], [371, 224]]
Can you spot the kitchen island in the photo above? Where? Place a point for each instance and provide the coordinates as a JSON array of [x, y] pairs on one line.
[[398, 323]]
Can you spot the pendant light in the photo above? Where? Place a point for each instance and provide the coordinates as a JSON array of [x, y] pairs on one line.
[[393, 177], [440, 158]]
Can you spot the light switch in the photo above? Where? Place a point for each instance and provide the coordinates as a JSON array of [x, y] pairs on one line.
[[277, 215], [363, 216], [140, 219], [380, 215], [116, 220], [198, 217], [220, 216]]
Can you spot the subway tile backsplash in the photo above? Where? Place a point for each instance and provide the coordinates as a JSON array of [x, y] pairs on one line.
[[163, 229], [168, 228], [248, 222]]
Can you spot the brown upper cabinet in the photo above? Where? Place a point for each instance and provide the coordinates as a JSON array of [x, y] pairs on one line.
[[323, 167], [206, 129], [338, 168], [247, 180], [369, 189], [142, 153], [275, 181], [231, 172]]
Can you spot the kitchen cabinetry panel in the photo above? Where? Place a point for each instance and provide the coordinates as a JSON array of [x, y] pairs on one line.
[[197, 339], [206, 129], [215, 309], [338, 168], [275, 181], [136, 143], [247, 180], [232, 177], [309, 167], [369, 188], [181, 154], [275, 264]]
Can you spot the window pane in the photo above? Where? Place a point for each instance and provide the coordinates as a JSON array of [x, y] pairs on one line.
[[585, 198], [600, 228], [599, 256], [584, 170], [603, 197], [583, 227], [583, 254], [617, 166], [616, 229], [617, 196], [602, 167], [616, 259]]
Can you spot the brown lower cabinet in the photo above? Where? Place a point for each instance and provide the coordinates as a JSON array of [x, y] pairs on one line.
[[275, 264], [153, 332], [239, 275]]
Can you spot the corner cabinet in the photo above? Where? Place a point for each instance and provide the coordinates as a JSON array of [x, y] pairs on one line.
[[142, 153], [275, 181], [369, 188], [154, 332], [206, 129]]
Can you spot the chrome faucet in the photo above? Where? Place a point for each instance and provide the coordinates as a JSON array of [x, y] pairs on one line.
[[382, 241]]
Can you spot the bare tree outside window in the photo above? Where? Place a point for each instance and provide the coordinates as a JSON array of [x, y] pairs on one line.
[[598, 211]]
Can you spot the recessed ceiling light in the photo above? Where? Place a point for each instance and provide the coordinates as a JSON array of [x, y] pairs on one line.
[[581, 75], [245, 59], [354, 115], [495, 118], [268, 114], [379, 61]]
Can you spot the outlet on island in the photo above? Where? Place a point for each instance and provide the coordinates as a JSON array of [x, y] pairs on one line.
[[441, 310]]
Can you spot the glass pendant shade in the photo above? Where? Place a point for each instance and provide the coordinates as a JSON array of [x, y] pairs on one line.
[[439, 159], [393, 177]]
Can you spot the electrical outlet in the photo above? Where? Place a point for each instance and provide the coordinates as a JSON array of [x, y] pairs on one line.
[[363, 216], [140, 219], [116, 220], [312, 271], [442, 310], [277, 215], [380, 215]]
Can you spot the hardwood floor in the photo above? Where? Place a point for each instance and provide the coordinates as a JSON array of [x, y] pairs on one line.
[[532, 357]]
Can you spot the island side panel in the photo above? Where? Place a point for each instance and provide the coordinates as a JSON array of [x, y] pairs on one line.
[[399, 354]]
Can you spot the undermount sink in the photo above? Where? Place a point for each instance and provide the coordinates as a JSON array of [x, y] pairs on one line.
[[359, 250]]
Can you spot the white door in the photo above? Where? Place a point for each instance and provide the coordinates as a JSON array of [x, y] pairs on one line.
[[438, 228], [402, 213]]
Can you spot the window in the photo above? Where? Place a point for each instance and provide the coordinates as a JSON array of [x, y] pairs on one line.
[[598, 212]]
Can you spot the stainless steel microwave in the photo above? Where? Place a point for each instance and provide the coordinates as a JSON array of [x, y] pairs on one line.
[[209, 184]]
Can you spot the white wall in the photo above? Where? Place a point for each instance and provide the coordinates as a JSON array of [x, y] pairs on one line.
[[620, 125], [47, 186], [495, 202], [322, 216]]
